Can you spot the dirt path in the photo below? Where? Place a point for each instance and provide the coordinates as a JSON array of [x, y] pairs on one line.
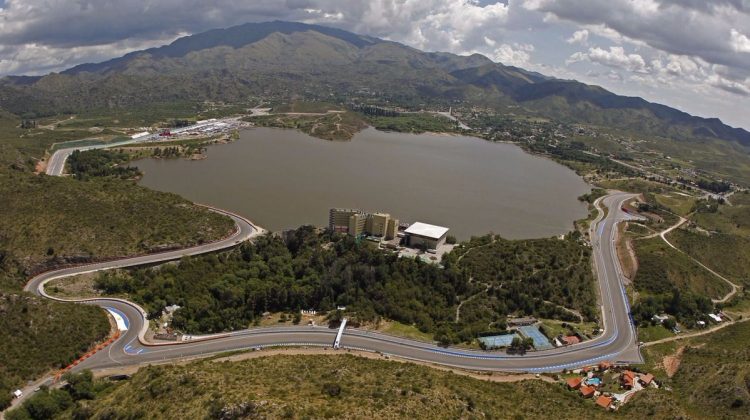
[[672, 362], [663, 234], [695, 334], [734, 287]]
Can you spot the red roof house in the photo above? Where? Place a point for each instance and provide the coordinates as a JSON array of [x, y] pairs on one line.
[[603, 401], [574, 383], [627, 379], [647, 379], [587, 391], [571, 339]]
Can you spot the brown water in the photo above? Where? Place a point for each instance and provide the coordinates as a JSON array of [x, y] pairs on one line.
[[283, 179]]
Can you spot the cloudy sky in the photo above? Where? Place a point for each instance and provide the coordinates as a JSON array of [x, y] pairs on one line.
[[691, 54]]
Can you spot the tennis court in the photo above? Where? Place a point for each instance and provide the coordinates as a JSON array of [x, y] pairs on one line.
[[540, 341], [497, 341]]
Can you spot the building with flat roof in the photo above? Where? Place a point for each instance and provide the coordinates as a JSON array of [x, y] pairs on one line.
[[356, 222], [425, 235]]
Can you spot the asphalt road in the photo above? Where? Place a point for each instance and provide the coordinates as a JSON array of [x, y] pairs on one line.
[[617, 343]]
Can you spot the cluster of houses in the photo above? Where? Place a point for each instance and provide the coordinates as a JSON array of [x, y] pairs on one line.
[[597, 382]]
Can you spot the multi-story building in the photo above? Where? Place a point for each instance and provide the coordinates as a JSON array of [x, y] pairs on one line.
[[356, 222]]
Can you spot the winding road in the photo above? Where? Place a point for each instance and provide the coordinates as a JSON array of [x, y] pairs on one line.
[[617, 343]]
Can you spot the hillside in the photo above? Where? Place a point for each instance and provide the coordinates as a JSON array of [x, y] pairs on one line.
[[334, 386], [37, 335], [285, 59]]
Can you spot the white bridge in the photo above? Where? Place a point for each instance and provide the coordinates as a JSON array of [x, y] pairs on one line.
[[337, 341]]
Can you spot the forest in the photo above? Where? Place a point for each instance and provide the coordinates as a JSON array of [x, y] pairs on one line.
[[311, 270], [100, 163]]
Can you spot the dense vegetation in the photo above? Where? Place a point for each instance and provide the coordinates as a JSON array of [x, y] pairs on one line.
[[38, 334], [70, 400], [100, 163], [413, 123], [550, 278], [49, 221], [228, 291]]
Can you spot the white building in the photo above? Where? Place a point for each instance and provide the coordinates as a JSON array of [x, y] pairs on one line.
[[425, 235]]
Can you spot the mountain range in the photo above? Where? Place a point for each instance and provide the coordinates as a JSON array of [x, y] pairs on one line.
[[288, 59]]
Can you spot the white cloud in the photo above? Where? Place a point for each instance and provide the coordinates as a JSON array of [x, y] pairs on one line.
[[736, 87], [615, 57], [579, 37], [712, 30], [515, 55], [740, 42]]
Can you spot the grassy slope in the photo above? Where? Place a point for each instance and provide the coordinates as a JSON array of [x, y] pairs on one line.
[[332, 126], [734, 219], [36, 335], [661, 268], [728, 255], [95, 219], [49, 220], [296, 387], [713, 376]]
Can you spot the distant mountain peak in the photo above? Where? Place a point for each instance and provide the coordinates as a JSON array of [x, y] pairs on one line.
[[292, 58]]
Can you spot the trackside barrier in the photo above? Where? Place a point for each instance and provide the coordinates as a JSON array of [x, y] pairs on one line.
[[99, 347]]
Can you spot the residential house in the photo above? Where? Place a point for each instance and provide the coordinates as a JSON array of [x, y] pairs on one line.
[[604, 401], [575, 382]]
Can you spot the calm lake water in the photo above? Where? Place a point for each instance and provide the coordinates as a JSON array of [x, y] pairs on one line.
[[283, 179]]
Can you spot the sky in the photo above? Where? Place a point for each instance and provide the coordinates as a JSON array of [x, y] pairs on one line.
[[690, 54]]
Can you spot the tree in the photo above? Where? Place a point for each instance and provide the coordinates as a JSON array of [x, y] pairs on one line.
[[669, 323], [81, 385]]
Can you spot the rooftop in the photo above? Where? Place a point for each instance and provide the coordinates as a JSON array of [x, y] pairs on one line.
[[604, 401], [574, 382], [427, 230]]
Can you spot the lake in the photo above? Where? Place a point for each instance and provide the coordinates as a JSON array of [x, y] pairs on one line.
[[283, 179]]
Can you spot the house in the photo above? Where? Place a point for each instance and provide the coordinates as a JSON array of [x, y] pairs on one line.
[[647, 379], [627, 379], [660, 318], [587, 391], [604, 366], [574, 383], [604, 401], [715, 317], [570, 339]]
